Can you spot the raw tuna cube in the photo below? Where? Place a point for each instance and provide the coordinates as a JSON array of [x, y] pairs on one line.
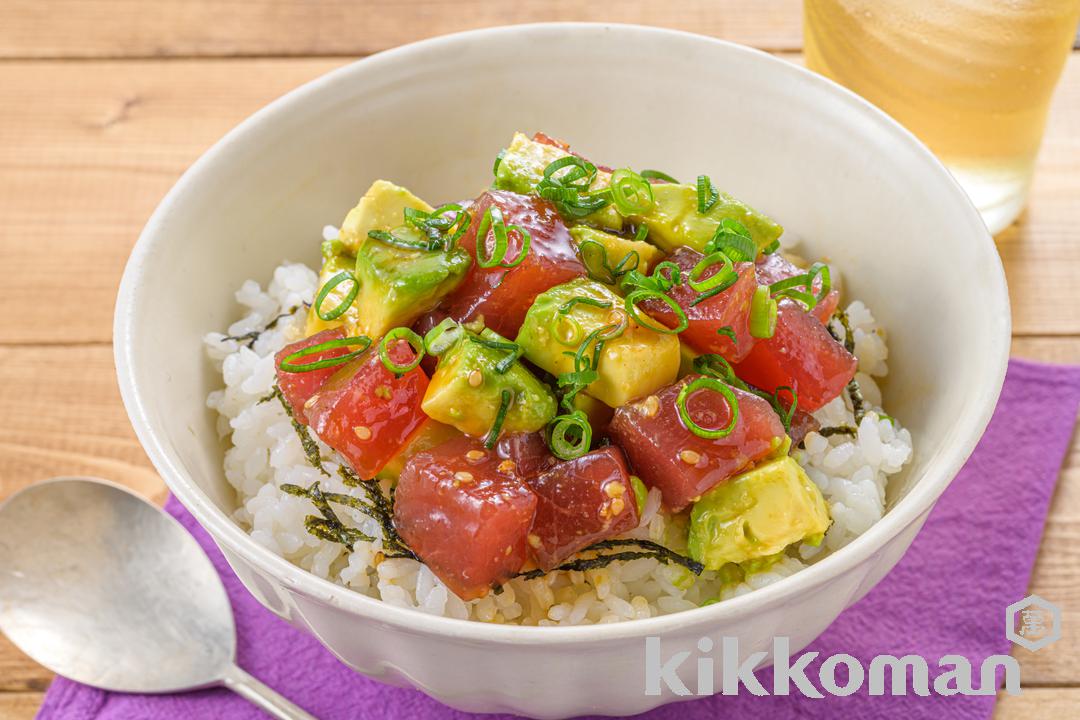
[[731, 308], [528, 451], [367, 414], [774, 268], [666, 455], [298, 387], [581, 501], [802, 355], [466, 514], [503, 296]]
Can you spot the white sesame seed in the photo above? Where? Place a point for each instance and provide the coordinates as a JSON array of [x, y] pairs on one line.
[[690, 457], [475, 455], [614, 489], [650, 406], [463, 477], [310, 402], [363, 432], [476, 378]]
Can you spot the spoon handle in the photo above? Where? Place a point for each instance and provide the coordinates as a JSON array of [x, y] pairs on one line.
[[261, 695]]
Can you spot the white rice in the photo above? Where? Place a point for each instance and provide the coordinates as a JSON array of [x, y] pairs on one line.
[[265, 453]]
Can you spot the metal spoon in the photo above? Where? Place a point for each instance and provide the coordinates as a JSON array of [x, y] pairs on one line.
[[102, 587]]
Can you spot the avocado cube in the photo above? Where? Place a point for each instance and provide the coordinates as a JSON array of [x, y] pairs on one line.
[[398, 284], [617, 248], [466, 390], [522, 167], [756, 515], [674, 220], [633, 365], [381, 208]]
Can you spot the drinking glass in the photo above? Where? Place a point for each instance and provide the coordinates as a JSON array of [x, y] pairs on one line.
[[971, 78]]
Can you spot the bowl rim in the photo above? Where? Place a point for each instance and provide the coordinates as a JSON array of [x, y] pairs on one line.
[[232, 538]]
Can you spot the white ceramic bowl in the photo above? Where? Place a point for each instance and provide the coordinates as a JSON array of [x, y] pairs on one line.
[[855, 185]]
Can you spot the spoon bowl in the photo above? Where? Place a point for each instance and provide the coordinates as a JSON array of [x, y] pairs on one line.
[[104, 588]]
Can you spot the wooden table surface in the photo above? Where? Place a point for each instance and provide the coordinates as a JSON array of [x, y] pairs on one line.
[[103, 103]]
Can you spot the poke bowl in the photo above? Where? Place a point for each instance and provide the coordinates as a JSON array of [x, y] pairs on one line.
[[464, 402]]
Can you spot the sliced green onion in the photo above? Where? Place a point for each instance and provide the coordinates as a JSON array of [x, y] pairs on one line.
[[492, 223], [595, 259], [443, 226], [785, 413], [658, 175], [721, 280], [414, 340], [707, 383], [706, 194], [391, 239], [580, 175], [442, 337], [570, 435], [771, 247], [345, 303], [717, 366], [498, 161], [642, 294], [569, 190], [733, 239], [507, 362], [728, 332], [821, 270], [790, 287], [642, 233], [630, 193], [289, 364], [763, 311], [567, 306], [500, 417]]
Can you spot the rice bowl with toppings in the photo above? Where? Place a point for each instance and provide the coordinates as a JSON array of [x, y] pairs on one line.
[[666, 560]]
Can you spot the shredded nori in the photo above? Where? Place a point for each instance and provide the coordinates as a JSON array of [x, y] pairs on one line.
[[311, 448], [858, 404], [378, 506], [249, 338], [838, 430], [329, 526], [648, 549]]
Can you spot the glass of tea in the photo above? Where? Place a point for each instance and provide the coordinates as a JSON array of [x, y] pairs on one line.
[[971, 78]]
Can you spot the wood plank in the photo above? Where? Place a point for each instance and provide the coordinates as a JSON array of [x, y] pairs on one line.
[[225, 28], [1038, 704], [19, 705], [88, 149]]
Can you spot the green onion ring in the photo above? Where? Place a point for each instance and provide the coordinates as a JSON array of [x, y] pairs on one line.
[[706, 194], [346, 302], [507, 362], [492, 436], [658, 175], [789, 412], [642, 294], [567, 306], [288, 364], [641, 233], [722, 279], [492, 223], [561, 433], [440, 338], [630, 193], [707, 383], [763, 311], [415, 342], [391, 239]]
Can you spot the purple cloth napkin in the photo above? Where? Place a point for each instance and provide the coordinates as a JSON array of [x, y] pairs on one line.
[[948, 595]]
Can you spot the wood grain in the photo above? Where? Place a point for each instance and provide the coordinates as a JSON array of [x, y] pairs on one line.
[[88, 149], [184, 28]]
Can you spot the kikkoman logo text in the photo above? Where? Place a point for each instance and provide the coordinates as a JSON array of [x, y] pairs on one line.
[[886, 674]]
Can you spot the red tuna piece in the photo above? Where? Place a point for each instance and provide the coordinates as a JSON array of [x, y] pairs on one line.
[[581, 501], [503, 296], [801, 355], [730, 308], [466, 514], [528, 451], [367, 414], [774, 268], [665, 454], [298, 387]]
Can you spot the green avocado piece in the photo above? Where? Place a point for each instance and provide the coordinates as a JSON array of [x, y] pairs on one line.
[[398, 284], [638, 362], [522, 167], [616, 248], [381, 208], [466, 390], [674, 219], [756, 515], [334, 264]]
